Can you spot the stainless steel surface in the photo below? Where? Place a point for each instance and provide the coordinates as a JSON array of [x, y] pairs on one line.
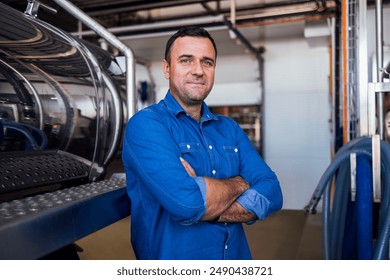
[[60, 85], [31, 87], [375, 89], [379, 61], [33, 7], [386, 70], [30, 172], [101, 31], [352, 159], [376, 168], [362, 70], [35, 226]]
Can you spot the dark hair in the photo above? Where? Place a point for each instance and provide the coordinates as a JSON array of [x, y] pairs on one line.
[[193, 31]]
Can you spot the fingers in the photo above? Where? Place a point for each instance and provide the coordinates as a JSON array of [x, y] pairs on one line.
[[188, 167]]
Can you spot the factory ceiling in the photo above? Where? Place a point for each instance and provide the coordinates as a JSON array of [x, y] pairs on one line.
[[116, 13], [154, 20]]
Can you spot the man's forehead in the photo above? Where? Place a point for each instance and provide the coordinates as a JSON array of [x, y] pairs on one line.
[[186, 44]]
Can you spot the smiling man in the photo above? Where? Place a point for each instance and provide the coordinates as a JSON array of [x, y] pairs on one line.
[[193, 177]]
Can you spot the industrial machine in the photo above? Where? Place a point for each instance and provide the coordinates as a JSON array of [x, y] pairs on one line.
[[61, 121]]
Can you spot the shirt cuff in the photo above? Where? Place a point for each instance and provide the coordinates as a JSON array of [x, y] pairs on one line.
[[254, 203], [202, 187]]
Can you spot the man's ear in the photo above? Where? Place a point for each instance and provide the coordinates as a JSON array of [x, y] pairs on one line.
[[166, 69]]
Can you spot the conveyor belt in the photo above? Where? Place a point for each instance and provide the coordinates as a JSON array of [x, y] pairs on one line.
[[35, 226]]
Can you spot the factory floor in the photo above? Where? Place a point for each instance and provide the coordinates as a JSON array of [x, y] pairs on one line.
[[286, 235]]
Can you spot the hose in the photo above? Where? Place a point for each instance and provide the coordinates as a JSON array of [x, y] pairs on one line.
[[341, 218], [38, 135], [364, 206], [36, 139], [340, 212], [31, 143], [382, 243]]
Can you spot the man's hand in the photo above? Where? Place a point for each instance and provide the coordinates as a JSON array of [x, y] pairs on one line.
[[188, 167], [236, 214]]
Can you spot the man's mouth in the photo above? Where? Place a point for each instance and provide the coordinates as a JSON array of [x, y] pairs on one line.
[[196, 83]]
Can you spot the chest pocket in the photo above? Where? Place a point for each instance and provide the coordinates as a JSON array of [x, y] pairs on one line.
[[189, 147], [192, 153], [233, 159]]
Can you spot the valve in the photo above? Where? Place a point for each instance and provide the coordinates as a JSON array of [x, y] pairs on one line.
[[33, 7]]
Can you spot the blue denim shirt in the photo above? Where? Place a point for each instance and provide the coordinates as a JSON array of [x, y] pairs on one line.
[[167, 205]]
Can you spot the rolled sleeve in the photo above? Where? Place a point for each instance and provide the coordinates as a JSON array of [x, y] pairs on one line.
[[255, 203], [202, 187], [264, 197]]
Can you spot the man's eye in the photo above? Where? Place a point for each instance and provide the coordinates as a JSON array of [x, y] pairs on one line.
[[208, 63], [185, 60]]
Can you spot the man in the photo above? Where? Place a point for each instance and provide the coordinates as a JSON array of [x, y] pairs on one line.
[[193, 177]]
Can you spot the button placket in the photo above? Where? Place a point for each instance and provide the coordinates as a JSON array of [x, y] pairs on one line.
[[213, 171], [212, 158]]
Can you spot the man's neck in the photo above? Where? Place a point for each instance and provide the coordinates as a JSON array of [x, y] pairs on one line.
[[194, 110], [196, 115]]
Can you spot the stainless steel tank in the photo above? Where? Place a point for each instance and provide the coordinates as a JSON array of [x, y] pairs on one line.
[[56, 92]]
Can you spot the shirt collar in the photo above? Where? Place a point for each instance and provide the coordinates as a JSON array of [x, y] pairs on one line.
[[176, 109]]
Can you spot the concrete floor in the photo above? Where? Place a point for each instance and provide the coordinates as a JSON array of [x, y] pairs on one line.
[[286, 235]]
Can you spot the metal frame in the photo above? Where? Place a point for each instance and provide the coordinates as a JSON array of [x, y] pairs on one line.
[[375, 89], [104, 33]]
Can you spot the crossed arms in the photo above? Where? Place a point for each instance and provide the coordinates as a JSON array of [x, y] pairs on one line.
[[221, 195], [149, 153]]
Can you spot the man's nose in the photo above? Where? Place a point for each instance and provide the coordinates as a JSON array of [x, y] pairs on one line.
[[197, 68]]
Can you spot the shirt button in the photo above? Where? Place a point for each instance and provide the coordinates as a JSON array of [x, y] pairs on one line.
[[236, 150], [188, 146], [214, 171], [226, 247], [210, 147]]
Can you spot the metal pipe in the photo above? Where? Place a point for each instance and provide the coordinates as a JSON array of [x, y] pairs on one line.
[[241, 37], [104, 33], [233, 12], [267, 12], [363, 70], [376, 167], [379, 60], [118, 117], [125, 7], [257, 53], [146, 5], [159, 25]]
